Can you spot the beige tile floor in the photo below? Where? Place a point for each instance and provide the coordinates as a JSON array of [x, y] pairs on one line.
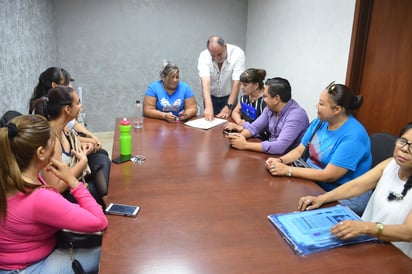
[[107, 140]]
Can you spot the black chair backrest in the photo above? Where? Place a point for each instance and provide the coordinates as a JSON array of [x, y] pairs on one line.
[[382, 146], [7, 116]]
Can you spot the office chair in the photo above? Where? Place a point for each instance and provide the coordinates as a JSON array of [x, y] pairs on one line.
[[7, 116], [382, 145]]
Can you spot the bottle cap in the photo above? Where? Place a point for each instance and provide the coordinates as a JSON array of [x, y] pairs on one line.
[[138, 102], [125, 122]]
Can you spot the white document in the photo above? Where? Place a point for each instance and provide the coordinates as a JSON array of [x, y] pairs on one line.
[[202, 123]]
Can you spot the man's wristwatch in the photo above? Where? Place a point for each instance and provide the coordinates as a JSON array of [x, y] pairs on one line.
[[230, 106]]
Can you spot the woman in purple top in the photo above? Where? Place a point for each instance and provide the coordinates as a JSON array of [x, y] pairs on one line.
[[283, 118]]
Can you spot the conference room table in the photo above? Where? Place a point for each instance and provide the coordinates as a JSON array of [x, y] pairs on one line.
[[204, 208]]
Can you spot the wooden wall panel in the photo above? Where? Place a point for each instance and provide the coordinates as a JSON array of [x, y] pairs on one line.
[[382, 68]]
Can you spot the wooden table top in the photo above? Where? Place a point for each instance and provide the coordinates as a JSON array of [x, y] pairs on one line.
[[204, 209]]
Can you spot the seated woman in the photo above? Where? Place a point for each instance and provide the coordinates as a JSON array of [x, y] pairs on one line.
[[31, 213], [388, 214], [62, 105], [283, 119], [339, 150], [98, 159], [168, 98], [251, 103], [51, 78]]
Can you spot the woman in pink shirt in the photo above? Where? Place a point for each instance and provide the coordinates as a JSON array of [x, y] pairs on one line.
[[31, 212]]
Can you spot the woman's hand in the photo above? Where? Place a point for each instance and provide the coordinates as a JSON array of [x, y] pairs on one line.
[[97, 143], [240, 122], [348, 229], [88, 147], [183, 115], [276, 168], [63, 172], [270, 161], [309, 202], [169, 117], [81, 156], [90, 143]]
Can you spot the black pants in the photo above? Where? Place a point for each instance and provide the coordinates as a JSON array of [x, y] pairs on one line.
[[219, 103], [99, 162], [98, 180]]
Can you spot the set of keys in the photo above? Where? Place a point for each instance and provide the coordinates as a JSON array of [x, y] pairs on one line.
[[138, 159]]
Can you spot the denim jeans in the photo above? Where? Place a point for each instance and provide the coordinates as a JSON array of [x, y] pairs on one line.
[[357, 204], [60, 262]]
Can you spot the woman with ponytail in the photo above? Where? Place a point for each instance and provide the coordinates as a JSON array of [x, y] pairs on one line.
[[339, 146], [31, 212]]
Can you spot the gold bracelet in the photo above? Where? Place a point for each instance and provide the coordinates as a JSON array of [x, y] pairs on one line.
[[379, 228]]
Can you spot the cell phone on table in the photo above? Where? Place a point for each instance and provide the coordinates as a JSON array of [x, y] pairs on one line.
[[122, 159], [122, 210]]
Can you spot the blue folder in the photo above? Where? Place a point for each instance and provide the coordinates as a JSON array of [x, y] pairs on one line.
[[308, 232]]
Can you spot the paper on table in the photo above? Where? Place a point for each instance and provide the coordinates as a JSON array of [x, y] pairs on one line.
[[202, 123]]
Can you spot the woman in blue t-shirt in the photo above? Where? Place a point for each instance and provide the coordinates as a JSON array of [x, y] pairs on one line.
[[169, 98], [339, 150]]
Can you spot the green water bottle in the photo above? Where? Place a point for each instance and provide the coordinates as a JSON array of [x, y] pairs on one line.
[[125, 138]]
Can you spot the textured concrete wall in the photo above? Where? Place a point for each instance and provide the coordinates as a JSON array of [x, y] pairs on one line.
[[27, 47], [115, 48]]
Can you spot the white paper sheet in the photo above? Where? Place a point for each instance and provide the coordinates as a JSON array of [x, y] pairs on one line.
[[202, 123]]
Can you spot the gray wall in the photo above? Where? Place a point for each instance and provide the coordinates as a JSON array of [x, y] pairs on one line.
[[306, 42], [27, 46], [114, 49]]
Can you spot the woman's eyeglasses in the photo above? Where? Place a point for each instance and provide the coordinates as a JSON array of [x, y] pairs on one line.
[[401, 142]]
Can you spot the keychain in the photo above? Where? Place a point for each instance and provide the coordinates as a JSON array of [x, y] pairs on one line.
[[76, 265], [138, 159]]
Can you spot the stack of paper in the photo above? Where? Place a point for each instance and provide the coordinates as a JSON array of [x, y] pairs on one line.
[[202, 123]]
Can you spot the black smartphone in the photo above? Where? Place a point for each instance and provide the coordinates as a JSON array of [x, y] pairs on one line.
[[121, 159], [122, 210], [227, 131]]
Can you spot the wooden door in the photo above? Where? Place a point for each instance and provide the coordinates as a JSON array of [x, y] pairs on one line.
[[380, 63]]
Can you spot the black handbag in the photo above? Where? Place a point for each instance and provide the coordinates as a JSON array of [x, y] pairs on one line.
[[68, 239], [301, 162], [73, 239]]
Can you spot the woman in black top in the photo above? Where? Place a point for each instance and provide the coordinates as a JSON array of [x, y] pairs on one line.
[[251, 103]]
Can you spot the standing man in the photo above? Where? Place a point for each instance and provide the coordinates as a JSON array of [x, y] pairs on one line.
[[220, 66]]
